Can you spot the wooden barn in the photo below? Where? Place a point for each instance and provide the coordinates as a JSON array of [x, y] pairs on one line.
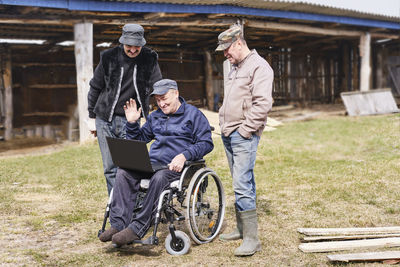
[[48, 50]]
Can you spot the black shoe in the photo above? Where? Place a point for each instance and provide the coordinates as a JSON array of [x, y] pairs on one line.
[[124, 237], [108, 234]]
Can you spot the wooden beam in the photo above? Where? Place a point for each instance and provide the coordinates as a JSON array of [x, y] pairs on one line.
[[52, 86], [301, 28], [285, 37], [222, 22], [40, 21], [365, 54], [345, 237], [46, 114], [312, 30], [39, 64], [348, 245], [368, 256], [349, 231], [83, 33], [153, 16]]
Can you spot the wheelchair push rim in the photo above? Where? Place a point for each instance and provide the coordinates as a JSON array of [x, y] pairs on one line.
[[205, 204]]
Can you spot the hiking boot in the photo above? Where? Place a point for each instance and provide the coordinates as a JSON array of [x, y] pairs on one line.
[[108, 234], [124, 237]]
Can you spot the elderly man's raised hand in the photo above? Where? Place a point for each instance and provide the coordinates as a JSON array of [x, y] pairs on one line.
[[132, 113]]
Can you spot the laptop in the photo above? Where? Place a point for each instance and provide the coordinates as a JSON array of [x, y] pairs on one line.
[[132, 155]]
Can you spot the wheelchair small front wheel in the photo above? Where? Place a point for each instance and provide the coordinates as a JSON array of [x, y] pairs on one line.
[[181, 246]]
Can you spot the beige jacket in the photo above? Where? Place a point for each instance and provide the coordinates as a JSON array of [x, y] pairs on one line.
[[247, 97]]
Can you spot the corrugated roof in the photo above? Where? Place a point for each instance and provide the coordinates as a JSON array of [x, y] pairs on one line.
[[279, 5]]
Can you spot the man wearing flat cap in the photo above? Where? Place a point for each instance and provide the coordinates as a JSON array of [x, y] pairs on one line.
[[181, 133], [242, 116], [126, 71]]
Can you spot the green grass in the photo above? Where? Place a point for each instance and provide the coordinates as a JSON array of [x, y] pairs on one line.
[[336, 172]]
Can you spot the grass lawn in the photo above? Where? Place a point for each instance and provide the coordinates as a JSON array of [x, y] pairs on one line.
[[336, 172]]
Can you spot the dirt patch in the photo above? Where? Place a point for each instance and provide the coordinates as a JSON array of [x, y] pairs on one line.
[[35, 236], [29, 146], [19, 143], [295, 113]]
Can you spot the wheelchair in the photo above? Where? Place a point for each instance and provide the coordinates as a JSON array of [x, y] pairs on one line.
[[197, 198]]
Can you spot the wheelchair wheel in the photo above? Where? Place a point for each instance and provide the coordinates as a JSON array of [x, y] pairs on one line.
[[205, 202], [180, 247]]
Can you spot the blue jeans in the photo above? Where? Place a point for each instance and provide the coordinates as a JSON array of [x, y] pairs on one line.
[[241, 154], [115, 128]]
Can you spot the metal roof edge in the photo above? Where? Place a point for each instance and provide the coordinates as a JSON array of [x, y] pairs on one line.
[[37, 3], [94, 5]]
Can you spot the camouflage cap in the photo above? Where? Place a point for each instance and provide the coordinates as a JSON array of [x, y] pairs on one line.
[[226, 38]]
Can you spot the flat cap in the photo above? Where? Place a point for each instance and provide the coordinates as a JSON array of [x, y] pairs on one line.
[[162, 86], [132, 34], [226, 38]]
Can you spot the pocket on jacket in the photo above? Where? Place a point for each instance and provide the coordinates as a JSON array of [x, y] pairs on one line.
[[186, 129]]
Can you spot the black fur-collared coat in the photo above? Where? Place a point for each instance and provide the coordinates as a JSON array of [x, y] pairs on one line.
[[105, 85]]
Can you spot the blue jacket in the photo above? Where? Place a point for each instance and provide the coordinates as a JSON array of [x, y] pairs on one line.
[[186, 131]]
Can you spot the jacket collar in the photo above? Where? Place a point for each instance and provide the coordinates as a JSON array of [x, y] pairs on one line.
[[253, 51]]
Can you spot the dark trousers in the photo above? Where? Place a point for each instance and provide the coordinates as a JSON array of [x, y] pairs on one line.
[[127, 184]]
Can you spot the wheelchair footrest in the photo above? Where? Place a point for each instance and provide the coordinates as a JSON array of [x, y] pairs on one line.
[[100, 232], [151, 240]]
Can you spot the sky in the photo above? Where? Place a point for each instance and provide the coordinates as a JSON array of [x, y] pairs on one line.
[[379, 7]]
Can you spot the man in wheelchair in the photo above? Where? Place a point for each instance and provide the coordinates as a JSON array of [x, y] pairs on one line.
[[181, 133]]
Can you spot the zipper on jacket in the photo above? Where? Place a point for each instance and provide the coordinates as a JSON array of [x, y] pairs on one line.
[[136, 89], [166, 127], [234, 69], [117, 95]]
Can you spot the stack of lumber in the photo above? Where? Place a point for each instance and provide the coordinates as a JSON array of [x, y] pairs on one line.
[[340, 239], [213, 119]]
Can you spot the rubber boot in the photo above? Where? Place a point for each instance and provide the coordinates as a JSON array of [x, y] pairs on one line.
[[251, 244], [235, 234]]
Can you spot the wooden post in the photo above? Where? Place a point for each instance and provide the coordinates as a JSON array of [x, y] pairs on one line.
[[345, 68], [8, 96], [209, 80], [288, 74], [332, 80], [355, 81], [365, 54], [83, 34], [379, 68]]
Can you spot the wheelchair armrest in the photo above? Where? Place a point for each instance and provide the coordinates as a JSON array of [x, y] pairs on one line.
[[195, 162]]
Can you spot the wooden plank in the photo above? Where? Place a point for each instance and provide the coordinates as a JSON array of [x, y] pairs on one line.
[[377, 101], [349, 231], [309, 29], [46, 114], [368, 256], [204, 23], [52, 86], [344, 237], [83, 35], [348, 245]]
